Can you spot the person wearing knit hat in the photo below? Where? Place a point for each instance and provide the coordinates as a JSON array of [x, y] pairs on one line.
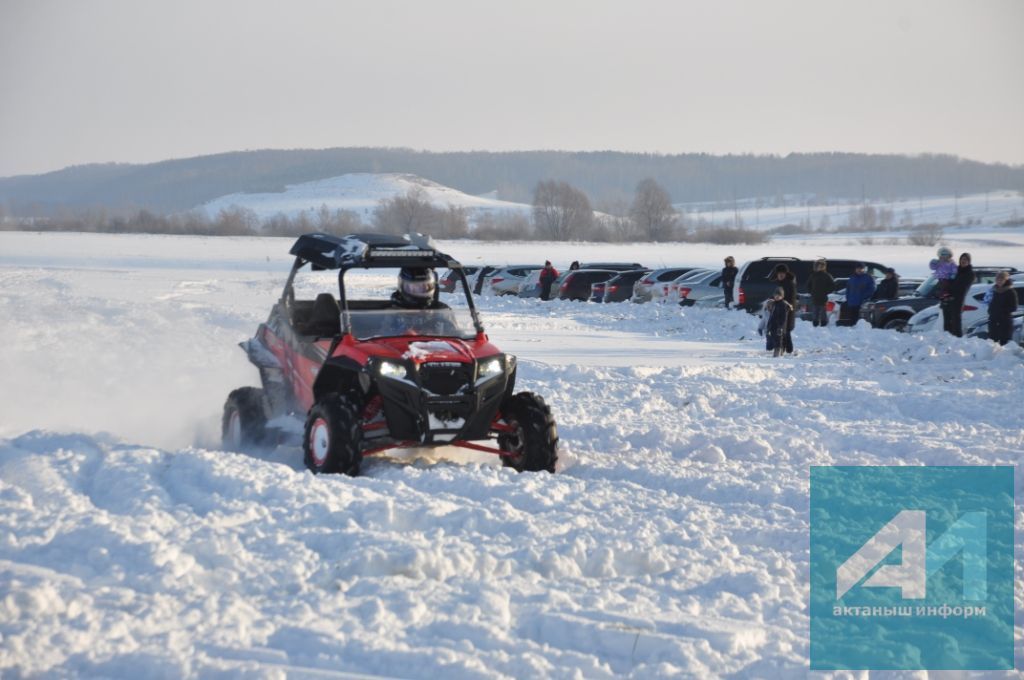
[[729, 272], [820, 286], [859, 287], [787, 282]]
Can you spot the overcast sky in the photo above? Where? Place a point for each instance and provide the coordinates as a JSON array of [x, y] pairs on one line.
[[140, 81]]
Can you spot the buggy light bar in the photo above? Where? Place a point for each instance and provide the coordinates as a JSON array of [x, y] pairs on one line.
[[378, 252]]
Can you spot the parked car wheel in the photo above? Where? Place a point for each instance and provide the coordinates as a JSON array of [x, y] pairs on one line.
[[533, 441], [332, 441], [244, 423], [897, 324]]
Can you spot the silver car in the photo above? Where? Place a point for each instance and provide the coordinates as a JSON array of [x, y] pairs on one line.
[[642, 291], [507, 280], [704, 290]]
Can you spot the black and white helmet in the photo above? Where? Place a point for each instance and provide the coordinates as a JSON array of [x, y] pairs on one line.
[[416, 286]]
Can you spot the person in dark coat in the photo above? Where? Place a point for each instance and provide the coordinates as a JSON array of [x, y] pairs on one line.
[[1002, 303], [729, 272], [777, 328], [574, 266], [952, 302], [787, 282], [548, 275], [889, 287], [859, 288], [820, 286]]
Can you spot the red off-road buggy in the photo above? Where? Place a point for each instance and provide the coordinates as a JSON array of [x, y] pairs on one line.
[[368, 375]]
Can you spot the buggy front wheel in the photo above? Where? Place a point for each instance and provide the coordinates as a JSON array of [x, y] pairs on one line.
[[531, 444], [332, 440]]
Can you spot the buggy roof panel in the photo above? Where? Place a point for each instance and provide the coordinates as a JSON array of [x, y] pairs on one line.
[[369, 250]]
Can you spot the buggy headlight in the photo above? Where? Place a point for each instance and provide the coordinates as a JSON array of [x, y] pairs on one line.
[[390, 369], [490, 368]]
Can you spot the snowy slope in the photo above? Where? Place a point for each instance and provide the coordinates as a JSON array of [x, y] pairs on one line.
[[358, 192], [672, 542]]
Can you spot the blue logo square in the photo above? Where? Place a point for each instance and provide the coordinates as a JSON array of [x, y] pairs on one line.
[[912, 568]]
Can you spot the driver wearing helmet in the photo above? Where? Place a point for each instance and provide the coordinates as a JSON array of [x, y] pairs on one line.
[[422, 313], [417, 289]]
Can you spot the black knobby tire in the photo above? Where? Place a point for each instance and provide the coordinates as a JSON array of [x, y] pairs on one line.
[[898, 323], [244, 424], [534, 439], [332, 439]]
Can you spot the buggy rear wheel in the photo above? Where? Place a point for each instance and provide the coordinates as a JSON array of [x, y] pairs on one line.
[[244, 423], [332, 440], [533, 441]]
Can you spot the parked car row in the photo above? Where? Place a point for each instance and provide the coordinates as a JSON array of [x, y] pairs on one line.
[[975, 308], [914, 309], [896, 313]]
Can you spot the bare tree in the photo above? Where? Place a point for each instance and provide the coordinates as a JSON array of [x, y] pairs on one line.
[[652, 212], [412, 212], [406, 213], [561, 212], [338, 221], [925, 235]]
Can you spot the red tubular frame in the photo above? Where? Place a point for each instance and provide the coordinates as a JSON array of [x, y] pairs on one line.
[[460, 444]]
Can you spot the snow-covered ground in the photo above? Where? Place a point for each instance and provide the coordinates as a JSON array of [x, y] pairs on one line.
[[673, 541], [360, 193]]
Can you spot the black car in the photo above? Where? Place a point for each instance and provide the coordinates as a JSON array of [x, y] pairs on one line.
[[755, 282], [895, 313], [803, 301], [620, 288], [575, 285]]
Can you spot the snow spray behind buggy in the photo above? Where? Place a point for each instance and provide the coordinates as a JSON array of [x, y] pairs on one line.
[[374, 375]]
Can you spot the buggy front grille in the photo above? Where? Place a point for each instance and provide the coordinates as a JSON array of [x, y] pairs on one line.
[[445, 378]]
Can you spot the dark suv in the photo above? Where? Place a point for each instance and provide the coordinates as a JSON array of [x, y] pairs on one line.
[[894, 314], [575, 285], [755, 283]]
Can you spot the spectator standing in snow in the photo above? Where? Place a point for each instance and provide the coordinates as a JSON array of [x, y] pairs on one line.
[[574, 266], [777, 328], [889, 287], [547, 277], [820, 285], [729, 272], [859, 288], [1002, 303], [787, 282], [944, 270], [953, 303]]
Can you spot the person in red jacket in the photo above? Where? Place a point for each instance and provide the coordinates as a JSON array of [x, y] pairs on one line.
[[548, 275]]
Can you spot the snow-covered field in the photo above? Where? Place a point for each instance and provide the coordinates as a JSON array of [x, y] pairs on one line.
[[673, 541], [982, 209]]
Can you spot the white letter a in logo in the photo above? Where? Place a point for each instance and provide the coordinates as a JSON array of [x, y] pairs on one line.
[[906, 529]]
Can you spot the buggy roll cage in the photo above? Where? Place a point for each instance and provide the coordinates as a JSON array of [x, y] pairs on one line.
[[370, 251]]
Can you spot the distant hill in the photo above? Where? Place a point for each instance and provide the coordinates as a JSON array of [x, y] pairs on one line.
[[606, 176], [359, 193]]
